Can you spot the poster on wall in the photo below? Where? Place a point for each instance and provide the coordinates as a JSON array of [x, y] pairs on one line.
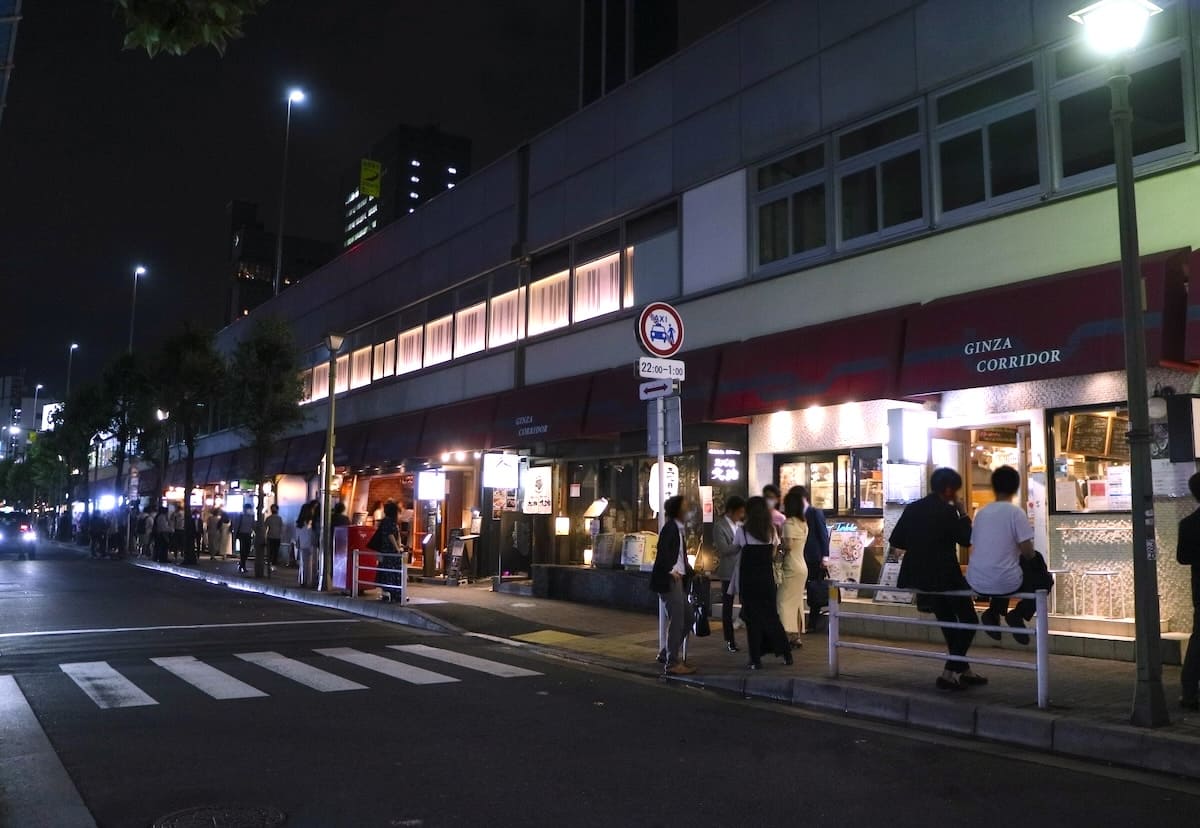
[[706, 503], [501, 471], [503, 500], [847, 545], [1120, 491], [538, 482]]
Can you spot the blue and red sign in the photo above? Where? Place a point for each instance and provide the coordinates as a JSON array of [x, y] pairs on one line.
[[660, 330]]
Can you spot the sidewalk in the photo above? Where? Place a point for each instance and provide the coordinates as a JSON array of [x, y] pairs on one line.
[[1089, 697]]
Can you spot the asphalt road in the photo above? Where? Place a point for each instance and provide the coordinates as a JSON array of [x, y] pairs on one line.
[[188, 712]]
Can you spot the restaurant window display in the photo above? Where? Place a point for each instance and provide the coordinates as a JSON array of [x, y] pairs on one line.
[[839, 483], [1091, 459]]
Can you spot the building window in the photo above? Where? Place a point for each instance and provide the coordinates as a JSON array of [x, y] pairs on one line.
[[384, 364], [1091, 459], [549, 303], [598, 287], [470, 326], [342, 384], [439, 340], [320, 381], [409, 350], [880, 184], [986, 140], [306, 383], [360, 367], [789, 205], [507, 323]]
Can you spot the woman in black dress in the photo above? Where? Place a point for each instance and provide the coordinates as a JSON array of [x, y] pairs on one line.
[[390, 552], [756, 584]]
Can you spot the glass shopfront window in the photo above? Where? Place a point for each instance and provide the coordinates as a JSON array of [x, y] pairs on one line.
[[1091, 459], [839, 483]]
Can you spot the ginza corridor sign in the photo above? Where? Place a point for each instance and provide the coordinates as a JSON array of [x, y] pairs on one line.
[[1006, 360]]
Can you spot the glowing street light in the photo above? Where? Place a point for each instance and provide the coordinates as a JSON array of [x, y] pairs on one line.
[[294, 96], [137, 272]]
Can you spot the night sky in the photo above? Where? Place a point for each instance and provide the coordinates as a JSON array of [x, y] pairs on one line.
[[110, 159]]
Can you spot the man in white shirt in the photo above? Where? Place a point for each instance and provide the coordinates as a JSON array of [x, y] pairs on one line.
[[1003, 560], [669, 579]]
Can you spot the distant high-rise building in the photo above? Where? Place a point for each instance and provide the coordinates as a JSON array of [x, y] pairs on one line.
[[620, 39], [12, 392], [10, 15], [415, 164], [252, 259]]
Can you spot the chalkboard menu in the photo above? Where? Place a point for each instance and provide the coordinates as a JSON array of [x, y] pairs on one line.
[[1088, 435]]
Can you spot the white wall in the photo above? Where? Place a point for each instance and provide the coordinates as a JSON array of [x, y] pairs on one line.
[[714, 233]]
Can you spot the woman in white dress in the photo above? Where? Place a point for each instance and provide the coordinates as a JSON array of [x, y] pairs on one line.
[[794, 572]]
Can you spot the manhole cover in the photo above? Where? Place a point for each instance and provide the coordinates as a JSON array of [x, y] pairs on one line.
[[223, 816]]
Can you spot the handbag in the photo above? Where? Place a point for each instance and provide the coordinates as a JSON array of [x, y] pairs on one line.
[[699, 595]]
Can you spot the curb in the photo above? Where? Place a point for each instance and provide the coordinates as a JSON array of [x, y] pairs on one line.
[[407, 616]]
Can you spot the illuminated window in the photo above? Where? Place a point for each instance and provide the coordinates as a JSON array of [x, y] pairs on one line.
[[306, 389], [360, 367], [598, 287], [1091, 459], [342, 383], [384, 364], [549, 303], [408, 347], [439, 340], [320, 381], [508, 318], [470, 326]]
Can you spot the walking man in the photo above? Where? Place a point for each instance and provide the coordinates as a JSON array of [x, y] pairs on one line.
[[162, 535], [728, 553], [244, 530], [1188, 554], [670, 578], [928, 535], [274, 529]]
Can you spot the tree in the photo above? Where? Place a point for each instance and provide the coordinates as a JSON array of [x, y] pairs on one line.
[[83, 417], [189, 376], [264, 378], [176, 27], [128, 401]]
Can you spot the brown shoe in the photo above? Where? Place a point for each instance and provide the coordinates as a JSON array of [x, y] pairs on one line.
[[680, 669]]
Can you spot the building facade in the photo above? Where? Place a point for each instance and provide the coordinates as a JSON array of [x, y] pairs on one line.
[[10, 15], [891, 233]]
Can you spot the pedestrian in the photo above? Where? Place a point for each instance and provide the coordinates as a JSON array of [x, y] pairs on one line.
[[305, 545], [670, 579], [274, 532], [340, 517], [386, 542], [1188, 554], [724, 532], [816, 550], [1003, 560], [770, 493], [928, 535], [756, 585], [793, 582], [162, 535], [179, 532], [146, 533], [213, 529], [244, 530]]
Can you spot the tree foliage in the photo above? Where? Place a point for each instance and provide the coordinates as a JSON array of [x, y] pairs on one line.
[[176, 27]]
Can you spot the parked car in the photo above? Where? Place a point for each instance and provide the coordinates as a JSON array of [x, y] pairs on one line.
[[18, 535]]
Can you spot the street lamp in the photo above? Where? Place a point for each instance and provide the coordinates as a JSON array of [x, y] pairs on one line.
[[137, 271], [37, 390], [1115, 27], [294, 96], [162, 417], [70, 358], [333, 343]]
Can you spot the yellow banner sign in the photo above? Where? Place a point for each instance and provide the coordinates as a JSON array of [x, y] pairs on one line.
[[368, 177]]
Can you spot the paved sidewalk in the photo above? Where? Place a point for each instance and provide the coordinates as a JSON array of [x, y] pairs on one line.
[[1089, 697]]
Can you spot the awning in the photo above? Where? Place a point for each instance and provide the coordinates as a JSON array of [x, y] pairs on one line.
[[304, 453], [461, 427], [541, 413], [394, 439], [614, 407], [844, 361], [350, 445], [1191, 342], [219, 468], [1058, 326]]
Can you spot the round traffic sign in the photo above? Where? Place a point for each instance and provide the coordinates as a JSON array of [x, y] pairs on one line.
[[660, 330]]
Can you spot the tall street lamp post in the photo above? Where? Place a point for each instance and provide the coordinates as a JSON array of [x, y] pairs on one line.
[[137, 271], [294, 96], [37, 390], [325, 581], [70, 358], [1115, 27]]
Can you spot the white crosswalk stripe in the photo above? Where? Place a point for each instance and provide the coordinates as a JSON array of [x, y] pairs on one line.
[[105, 686], [482, 665], [298, 671], [387, 666], [208, 679]]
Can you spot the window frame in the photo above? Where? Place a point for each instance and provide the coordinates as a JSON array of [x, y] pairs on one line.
[[341, 382], [519, 303], [383, 363], [617, 258], [419, 330], [787, 190], [356, 381], [564, 275], [444, 319], [1054, 451], [480, 307]]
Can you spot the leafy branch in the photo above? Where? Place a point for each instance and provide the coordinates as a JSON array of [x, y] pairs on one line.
[[176, 27]]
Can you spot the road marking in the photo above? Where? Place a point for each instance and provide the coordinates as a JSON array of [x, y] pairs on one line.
[[482, 665], [208, 679], [298, 671], [37, 633], [105, 686], [31, 774], [387, 666]]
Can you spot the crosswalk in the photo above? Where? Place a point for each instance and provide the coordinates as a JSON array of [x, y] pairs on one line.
[[109, 688]]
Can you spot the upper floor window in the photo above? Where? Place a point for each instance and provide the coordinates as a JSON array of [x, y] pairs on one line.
[[439, 340], [507, 323], [549, 303], [790, 205], [470, 326], [384, 364], [360, 367], [342, 384], [880, 179], [306, 383], [598, 287], [320, 381], [409, 350]]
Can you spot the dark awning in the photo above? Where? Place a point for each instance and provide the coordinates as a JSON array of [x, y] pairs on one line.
[[304, 453], [393, 440], [350, 445], [541, 413], [461, 427], [614, 407], [844, 361], [1058, 326]]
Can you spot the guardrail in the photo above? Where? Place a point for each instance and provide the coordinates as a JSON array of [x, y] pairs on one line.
[[1040, 632], [356, 567]]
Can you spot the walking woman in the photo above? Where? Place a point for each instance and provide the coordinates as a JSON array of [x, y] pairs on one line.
[[756, 583], [305, 543], [387, 543], [793, 584]]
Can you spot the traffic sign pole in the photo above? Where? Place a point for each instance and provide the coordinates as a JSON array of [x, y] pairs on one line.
[[660, 410]]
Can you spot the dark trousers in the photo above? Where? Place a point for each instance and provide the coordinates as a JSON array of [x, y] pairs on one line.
[[678, 619], [179, 539], [1032, 579], [726, 612], [161, 545], [245, 547], [1190, 677], [956, 608]]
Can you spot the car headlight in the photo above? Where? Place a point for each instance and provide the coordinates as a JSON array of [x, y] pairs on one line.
[[29, 536]]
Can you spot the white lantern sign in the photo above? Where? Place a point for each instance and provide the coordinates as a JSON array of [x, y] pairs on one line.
[[670, 485]]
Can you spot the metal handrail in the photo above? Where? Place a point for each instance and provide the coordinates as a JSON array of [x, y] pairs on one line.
[[356, 567], [1040, 631]]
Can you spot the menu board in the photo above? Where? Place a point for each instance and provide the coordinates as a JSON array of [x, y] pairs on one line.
[[1118, 446], [1088, 435]]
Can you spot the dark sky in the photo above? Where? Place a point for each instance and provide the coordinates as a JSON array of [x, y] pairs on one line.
[[109, 159]]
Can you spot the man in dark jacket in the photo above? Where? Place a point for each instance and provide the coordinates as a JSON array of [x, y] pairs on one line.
[[669, 579], [1188, 554], [929, 533], [816, 550]]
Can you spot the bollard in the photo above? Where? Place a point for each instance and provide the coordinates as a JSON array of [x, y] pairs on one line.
[[1042, 642], [834, 595]]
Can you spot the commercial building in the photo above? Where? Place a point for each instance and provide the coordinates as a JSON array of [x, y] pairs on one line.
[[10, 15], [415, 165], [891, 232]]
